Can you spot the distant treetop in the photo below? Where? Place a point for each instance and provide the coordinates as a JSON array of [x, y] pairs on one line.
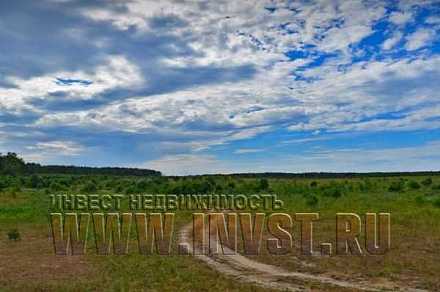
[[11, 164]]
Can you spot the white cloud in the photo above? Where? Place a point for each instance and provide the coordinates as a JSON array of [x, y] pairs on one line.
[[116, 72], [230, 32], [419, 39], [435, 19], [225, 34], [49, 150], [392, 41], [248, 150], [305, 140], [57, 147], [414, 158], [263, 103], [400, 18]]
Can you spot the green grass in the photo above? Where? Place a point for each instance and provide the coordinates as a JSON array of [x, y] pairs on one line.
[[414, 204]]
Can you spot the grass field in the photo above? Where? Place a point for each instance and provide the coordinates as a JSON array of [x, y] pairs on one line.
[[30, 264]]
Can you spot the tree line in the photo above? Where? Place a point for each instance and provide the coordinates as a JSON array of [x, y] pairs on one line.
[[320, 175], [12, 164]]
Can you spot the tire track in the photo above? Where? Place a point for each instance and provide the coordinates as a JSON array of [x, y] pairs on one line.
[[247, 270]]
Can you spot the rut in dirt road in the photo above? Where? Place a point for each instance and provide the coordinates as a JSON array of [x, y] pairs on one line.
[[246, 270]]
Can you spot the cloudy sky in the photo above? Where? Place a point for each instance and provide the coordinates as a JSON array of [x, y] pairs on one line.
[[191, 87]]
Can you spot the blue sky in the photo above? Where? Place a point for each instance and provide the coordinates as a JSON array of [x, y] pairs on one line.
[[222, 86]]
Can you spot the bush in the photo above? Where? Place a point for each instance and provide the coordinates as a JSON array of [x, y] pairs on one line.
[[420, 200], [119, 189], [313, 184], [143, 185], [56, 187], [312, 201], [89, 188], [396, 186], [436, 203], [14, 191], [333, 192], [263, 184], [35, 182], [131, 190], [427, 182], [413, 185], [14, 235]]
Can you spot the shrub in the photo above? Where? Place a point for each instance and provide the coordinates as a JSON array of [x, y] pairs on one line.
[[14, 191], [312, 201], [363, 187], [420, 200], [35, 181], [119, 189], [413, 185], [14, 235], [90, 187], [313, 184], [427, 182], [56, 187], [396, 186], [263, 184], [368, 185], [436, 203], [131, 190], [333, 192], [142, 185]]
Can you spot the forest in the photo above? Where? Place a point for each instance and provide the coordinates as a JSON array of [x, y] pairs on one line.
[[12, 164]]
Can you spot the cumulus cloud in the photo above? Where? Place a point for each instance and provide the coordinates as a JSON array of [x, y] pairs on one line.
[[365, 90], [58, 147], [225, 33], [204, 74], [49, 150], [117, 72], [392, 41], [228, 32], [435, 19], [400, 18], [419, 39]]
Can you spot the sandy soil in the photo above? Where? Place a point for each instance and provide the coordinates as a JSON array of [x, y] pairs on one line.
[[247, 270]]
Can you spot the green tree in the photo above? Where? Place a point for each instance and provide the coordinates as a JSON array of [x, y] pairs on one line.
[[11, 164]]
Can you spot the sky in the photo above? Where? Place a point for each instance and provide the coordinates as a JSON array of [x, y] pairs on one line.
[[193, 87]]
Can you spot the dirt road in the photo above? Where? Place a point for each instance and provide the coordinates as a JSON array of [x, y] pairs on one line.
[[244, 269]]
